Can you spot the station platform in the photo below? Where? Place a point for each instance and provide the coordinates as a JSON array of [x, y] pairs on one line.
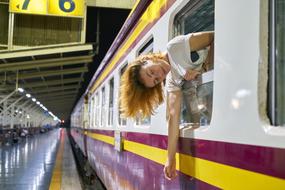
[[42, 162]]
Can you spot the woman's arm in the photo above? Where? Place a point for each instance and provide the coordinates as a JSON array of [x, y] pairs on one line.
[[173, 112], [208, 64], [200, 40], [197, 42]]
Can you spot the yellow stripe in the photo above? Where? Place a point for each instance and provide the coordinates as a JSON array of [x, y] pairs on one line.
[[104, 138], [152, 13], [216, 174], [134, 8], [57, 174]]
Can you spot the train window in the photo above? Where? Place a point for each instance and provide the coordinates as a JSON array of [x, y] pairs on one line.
[[276, 99], [103, 109], [97, 109], [197, 15], [146, 48], [122, 121], [111, 102], [91, 111]]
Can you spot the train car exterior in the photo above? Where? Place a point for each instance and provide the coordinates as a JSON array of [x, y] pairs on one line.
[[240, 139]]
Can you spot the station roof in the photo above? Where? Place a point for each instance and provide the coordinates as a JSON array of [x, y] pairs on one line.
[[57, 75], [52, 75]]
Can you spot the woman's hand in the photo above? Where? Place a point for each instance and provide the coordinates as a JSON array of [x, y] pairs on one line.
[[170, 169], [191, 74]]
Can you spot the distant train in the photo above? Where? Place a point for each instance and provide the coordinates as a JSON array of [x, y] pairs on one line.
[[237, 141]]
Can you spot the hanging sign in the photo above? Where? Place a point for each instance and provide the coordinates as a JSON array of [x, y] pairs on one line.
[[49, 7], [29, 6], [66, 7]]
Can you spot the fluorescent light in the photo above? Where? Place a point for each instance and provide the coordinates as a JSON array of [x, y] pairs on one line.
[[34, 99], [28, 95], [20, 89]]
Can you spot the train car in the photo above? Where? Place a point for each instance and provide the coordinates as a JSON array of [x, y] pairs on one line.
[[237, 141], [78, 122]]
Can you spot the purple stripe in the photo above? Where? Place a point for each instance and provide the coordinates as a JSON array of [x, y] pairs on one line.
[[125, 170], [265, 160], [159, 141]]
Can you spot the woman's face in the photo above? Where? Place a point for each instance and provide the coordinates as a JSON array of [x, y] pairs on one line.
[[153, 73]]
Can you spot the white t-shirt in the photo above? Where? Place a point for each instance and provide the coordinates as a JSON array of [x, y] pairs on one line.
[[179, 55]]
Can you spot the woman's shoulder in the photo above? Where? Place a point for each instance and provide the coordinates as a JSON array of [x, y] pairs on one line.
[[179, 39]]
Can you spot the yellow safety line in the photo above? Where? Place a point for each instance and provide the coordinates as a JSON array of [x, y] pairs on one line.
[[57, 171], [216, 174]]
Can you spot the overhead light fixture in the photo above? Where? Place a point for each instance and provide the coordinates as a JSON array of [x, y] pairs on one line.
[[20, 89]]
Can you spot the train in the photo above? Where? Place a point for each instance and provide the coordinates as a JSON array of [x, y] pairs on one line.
[[238, 139]]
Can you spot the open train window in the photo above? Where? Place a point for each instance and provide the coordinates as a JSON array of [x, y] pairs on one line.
[[146, 48], [111, 102], [276, 98], [122, 121], [196, 16]]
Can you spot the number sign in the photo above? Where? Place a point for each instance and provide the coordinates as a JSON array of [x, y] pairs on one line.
[[29, 6], [49, 7], [66, 7]]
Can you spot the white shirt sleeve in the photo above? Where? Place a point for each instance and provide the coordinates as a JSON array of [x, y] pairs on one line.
[[179, 55], [178, 51]]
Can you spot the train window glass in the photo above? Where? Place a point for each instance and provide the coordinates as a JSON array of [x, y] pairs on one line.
[[111, 102], [146, 48], [97, 109], [197, 15], [103, 109], [122, 121], [91, 111], [277, 63]]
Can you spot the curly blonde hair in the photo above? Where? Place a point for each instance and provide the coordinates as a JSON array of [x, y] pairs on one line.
[[135, 98]]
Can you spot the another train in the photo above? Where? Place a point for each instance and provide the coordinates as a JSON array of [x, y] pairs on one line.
[[238, 139]]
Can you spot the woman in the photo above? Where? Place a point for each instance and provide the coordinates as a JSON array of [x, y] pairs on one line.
[[141, 86]]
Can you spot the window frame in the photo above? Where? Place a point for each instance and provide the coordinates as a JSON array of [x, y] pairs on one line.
[[146, 47], [178, 29], [103, 109], [121, 121], [111, 103], [273, 94]]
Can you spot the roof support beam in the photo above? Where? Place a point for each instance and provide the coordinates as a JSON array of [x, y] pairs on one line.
[[51, 82], [44, 84], [58, 97], [58, 94], [47, 73], [46, 51], [58, 88], [45, 63]]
